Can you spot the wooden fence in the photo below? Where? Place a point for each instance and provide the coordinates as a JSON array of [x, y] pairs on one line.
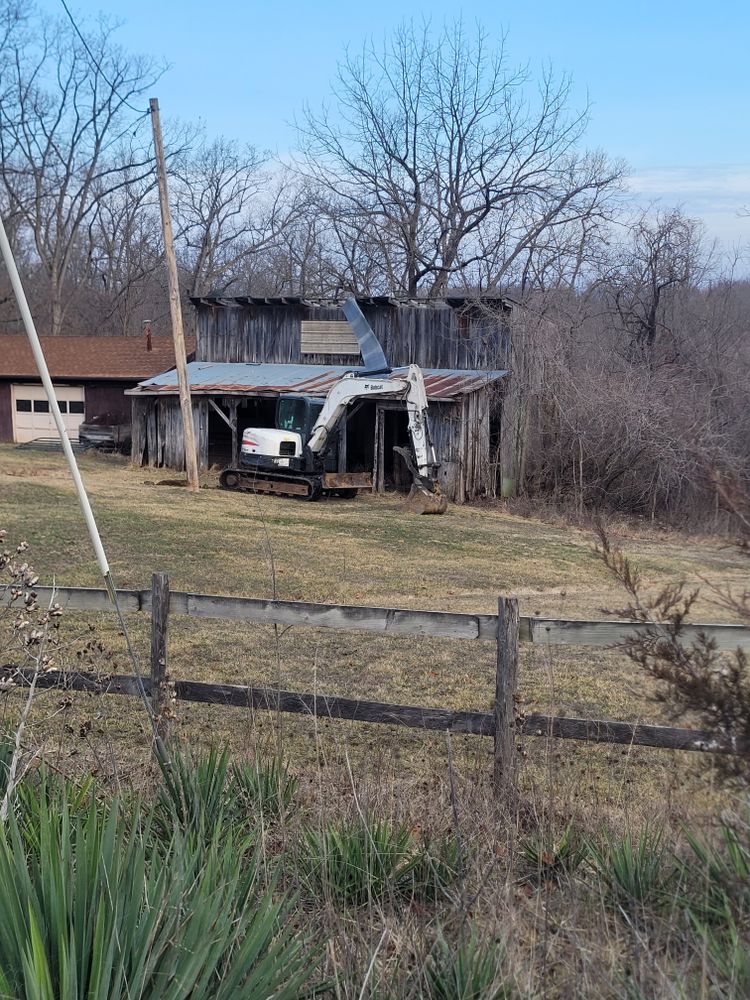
[[506, 629]]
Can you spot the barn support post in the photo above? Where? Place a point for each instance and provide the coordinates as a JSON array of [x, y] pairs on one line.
[[233, 406], [504, 773], [378, 473], [342, 463], [161, 695]]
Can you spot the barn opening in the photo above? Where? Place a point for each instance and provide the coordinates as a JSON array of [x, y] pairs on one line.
[[360, 437], [395, 474], [251, 411]]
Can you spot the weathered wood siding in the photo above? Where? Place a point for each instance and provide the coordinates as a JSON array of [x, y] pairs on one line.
[[432, 336], [461, 435], [460, 432], [158, 438]]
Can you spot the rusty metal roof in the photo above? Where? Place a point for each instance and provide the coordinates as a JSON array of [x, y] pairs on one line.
[[213, 378]]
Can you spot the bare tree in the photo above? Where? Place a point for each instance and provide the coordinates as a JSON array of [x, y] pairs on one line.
[[665, 251], [216, 190], [434, 161], [126, 259], [69, 137]]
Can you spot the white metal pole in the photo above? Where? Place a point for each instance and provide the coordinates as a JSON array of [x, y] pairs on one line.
[[43, 370], [88, 514]]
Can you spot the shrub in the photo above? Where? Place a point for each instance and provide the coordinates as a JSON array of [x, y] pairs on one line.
[[264, 787], [359, 862], [92, 910], [720, 881], [551, 861], [636, 873], [467, 971], [436, 866], [193, 795]]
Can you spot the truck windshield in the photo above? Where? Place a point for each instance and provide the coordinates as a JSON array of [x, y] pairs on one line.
[[290, 415]]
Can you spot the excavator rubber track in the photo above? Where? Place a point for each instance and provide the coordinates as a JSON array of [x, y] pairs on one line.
[[262, 480]]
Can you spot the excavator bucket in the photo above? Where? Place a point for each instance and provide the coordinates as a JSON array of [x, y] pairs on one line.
[[423, 498], [422, 501]]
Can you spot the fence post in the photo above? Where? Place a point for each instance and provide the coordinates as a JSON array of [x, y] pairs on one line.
[[160, 694], [505, 689]]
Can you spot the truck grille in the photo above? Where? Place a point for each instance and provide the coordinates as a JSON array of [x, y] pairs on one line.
[[287, 448]]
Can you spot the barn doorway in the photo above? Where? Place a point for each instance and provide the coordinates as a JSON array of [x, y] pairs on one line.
[[254, 411]]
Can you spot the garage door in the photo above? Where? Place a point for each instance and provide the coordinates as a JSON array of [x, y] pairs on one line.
[[31, 414]]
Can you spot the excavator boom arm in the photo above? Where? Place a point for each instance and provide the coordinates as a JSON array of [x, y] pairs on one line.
[[356, 387]]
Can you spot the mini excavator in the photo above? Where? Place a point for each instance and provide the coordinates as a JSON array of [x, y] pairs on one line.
[[289, 459]]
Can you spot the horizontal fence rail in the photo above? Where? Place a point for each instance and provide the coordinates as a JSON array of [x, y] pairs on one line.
[[391, 621], [384, 713], [505, 629]]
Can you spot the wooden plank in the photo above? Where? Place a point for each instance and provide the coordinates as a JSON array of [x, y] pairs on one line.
[[325, 325], [398, 621], [328, 337], [308, 343], [611, 731], [353, 709], [558, 632], [415, 717], [392, 621], [339, 327], [506, 671], [124, 684], [82, 598], [378, 472]]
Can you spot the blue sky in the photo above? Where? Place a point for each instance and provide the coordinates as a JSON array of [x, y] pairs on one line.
[[669, 82]]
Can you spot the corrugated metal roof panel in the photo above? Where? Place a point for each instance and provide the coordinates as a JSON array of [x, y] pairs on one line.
[[211, 378]]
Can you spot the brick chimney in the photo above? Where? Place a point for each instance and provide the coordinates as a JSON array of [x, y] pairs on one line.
[[147, 334]]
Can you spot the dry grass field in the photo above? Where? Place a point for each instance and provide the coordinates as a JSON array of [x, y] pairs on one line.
[[367, 551], [547, 919]]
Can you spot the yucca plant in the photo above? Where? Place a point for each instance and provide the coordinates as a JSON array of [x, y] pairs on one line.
[[41, 794], [551, 860], [358, 862], [6, 755], [194, 794], [264, 787], [720, 881], [728, 951], [93, 912], [467, 970], [636, 873], [436, 866]]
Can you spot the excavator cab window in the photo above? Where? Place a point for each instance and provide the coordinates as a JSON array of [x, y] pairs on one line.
[[291, 414], [298, 414]]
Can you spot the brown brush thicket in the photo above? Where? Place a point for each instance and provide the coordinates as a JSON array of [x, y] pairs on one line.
[[695, 680]]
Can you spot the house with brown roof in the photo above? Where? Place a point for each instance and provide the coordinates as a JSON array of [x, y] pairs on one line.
[[90, 375]]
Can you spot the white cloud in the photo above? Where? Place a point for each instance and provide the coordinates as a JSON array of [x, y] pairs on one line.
[[717, 195]]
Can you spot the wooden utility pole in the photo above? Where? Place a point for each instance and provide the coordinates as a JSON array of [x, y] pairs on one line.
[[191, 459]]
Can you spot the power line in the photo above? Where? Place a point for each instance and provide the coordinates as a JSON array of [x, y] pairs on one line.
[[95, 61]]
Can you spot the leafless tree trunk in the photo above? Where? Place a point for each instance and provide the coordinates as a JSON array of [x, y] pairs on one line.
[[435, 159], [665, 251], [69, 137], [216, 191]]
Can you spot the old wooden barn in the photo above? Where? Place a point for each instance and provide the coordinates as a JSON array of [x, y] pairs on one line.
[[250, 350]]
